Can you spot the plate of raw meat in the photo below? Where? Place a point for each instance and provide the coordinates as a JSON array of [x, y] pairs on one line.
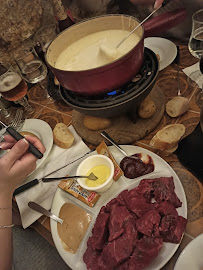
[[136, 224]]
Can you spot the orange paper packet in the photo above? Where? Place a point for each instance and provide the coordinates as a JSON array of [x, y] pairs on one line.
[[71, 186], [103, 150]]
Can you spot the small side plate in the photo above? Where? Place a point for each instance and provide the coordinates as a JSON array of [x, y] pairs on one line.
[[165, 48]]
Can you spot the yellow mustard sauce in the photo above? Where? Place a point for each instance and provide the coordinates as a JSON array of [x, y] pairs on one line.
[[102, 172]]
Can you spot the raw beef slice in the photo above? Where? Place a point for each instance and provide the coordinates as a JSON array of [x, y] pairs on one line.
[[172, 228], [91, 257], [109, 205], [121, 197], [148, 224], [138, 205], [146, 250], [145, 189], [118, 218], [165, 192], [100, 230], [166, 208], [121, 248]]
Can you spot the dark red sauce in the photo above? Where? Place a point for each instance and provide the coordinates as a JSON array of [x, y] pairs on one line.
[[135, 167]]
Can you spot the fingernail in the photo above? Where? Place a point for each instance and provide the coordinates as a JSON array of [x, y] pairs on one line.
[[2, 145], [23, 142]]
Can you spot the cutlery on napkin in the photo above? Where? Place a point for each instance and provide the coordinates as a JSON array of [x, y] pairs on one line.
[[43, 193], [34, 182]]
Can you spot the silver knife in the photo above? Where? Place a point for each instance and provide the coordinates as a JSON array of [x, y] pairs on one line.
[[34, 182], [43, 211]]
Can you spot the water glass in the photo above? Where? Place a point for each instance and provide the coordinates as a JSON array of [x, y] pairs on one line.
[[45, 35], [32, 68]]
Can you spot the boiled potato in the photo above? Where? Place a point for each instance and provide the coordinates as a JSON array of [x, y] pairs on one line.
[[146, 108], [96, 123]]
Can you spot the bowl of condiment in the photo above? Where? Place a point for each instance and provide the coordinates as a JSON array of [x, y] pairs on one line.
[[103, 169]]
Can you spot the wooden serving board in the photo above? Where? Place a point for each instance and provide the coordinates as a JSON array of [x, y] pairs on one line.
[[123, 130]]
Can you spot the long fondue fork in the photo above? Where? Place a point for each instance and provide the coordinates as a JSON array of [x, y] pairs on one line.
[[163, 4], [137, 27], [91, 176]]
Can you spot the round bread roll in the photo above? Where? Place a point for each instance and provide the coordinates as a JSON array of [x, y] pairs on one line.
[[177, 106], [146, 108], [62, 136], [96, 123]]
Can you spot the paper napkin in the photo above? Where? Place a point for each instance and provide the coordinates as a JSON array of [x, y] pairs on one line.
[[198, 78], [43, 193]]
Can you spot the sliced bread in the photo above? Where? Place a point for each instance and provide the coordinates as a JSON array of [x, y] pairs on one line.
[[168, 152], [62, 136], [177, 106], [168, 137]]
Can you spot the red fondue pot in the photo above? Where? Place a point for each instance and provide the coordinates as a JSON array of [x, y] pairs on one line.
[[113, 75]]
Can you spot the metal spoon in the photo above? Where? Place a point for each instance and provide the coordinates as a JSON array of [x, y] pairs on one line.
[[42, 210], [91, 176]]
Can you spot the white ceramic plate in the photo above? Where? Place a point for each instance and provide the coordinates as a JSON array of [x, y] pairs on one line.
[[191, 257], [43, 131], [75, 261], [164, 48]]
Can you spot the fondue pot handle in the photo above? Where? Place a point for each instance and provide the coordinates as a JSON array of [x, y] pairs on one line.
[[163, 22]]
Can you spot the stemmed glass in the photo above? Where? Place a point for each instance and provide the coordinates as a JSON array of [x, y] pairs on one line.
[[45, 35], [43, 38], [195, 44], [32, 68], [5, 113], [13, 87]]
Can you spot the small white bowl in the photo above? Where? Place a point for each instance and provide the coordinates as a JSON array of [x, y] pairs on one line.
[[87, 164]]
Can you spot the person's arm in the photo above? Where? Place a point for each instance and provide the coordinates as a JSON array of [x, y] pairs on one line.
[[15, 166], [156, 3]]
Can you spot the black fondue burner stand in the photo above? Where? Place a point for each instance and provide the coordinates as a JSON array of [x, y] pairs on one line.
[[120, 101]]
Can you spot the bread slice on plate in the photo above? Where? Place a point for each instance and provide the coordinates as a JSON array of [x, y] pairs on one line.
[[168, 137], [62, 136]]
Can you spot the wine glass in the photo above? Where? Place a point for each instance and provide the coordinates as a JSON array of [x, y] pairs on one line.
[[4, 112], [45, 35], [32, 68], [195, 44], [13, 87]]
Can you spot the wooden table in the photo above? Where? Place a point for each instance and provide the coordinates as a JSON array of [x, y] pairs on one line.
[[167, 80]]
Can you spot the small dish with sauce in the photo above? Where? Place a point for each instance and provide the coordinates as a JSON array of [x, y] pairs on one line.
[[102, 167]]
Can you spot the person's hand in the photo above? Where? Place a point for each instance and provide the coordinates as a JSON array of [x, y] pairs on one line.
[[17, 164], [156, 3]]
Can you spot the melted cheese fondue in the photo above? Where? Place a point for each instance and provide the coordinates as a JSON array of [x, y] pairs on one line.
[[96, 50]]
